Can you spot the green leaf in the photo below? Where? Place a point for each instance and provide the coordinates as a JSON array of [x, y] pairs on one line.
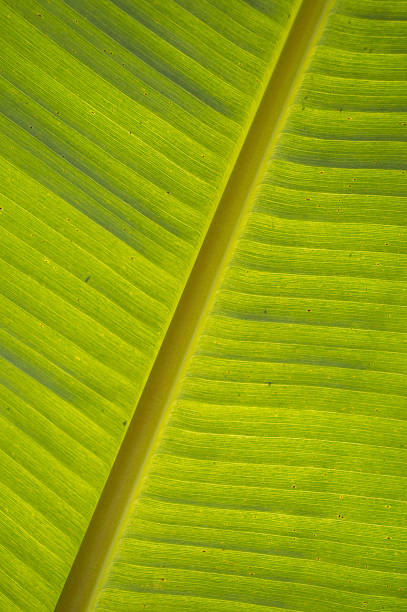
[[264, 467], [120, 124]]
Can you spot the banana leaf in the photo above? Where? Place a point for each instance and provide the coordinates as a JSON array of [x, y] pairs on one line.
[[223, 431]]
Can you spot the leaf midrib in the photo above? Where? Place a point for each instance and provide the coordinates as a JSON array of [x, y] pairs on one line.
[[153, 409]]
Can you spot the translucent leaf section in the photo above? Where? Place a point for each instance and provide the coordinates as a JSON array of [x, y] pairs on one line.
[[120, 123], [279, 481]]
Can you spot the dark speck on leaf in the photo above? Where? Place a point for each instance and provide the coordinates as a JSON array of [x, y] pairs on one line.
[[265, 311], [87, 278], [124, 422]]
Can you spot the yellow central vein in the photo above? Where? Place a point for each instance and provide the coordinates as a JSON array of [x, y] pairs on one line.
[[144, 433]]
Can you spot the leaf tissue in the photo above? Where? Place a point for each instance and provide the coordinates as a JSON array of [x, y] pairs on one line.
[[203, 340]]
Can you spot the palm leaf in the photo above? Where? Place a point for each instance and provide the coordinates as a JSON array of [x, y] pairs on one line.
[[271, 474]]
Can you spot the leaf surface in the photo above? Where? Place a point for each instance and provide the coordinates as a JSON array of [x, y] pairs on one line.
[[279, 479], [277, 476], [120, 123]]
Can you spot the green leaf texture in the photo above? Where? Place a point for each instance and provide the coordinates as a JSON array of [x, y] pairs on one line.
[[120, 123], [280, 479]]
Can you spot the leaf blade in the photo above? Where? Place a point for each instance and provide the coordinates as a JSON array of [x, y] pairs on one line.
[[110, 176], [296, 445]]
